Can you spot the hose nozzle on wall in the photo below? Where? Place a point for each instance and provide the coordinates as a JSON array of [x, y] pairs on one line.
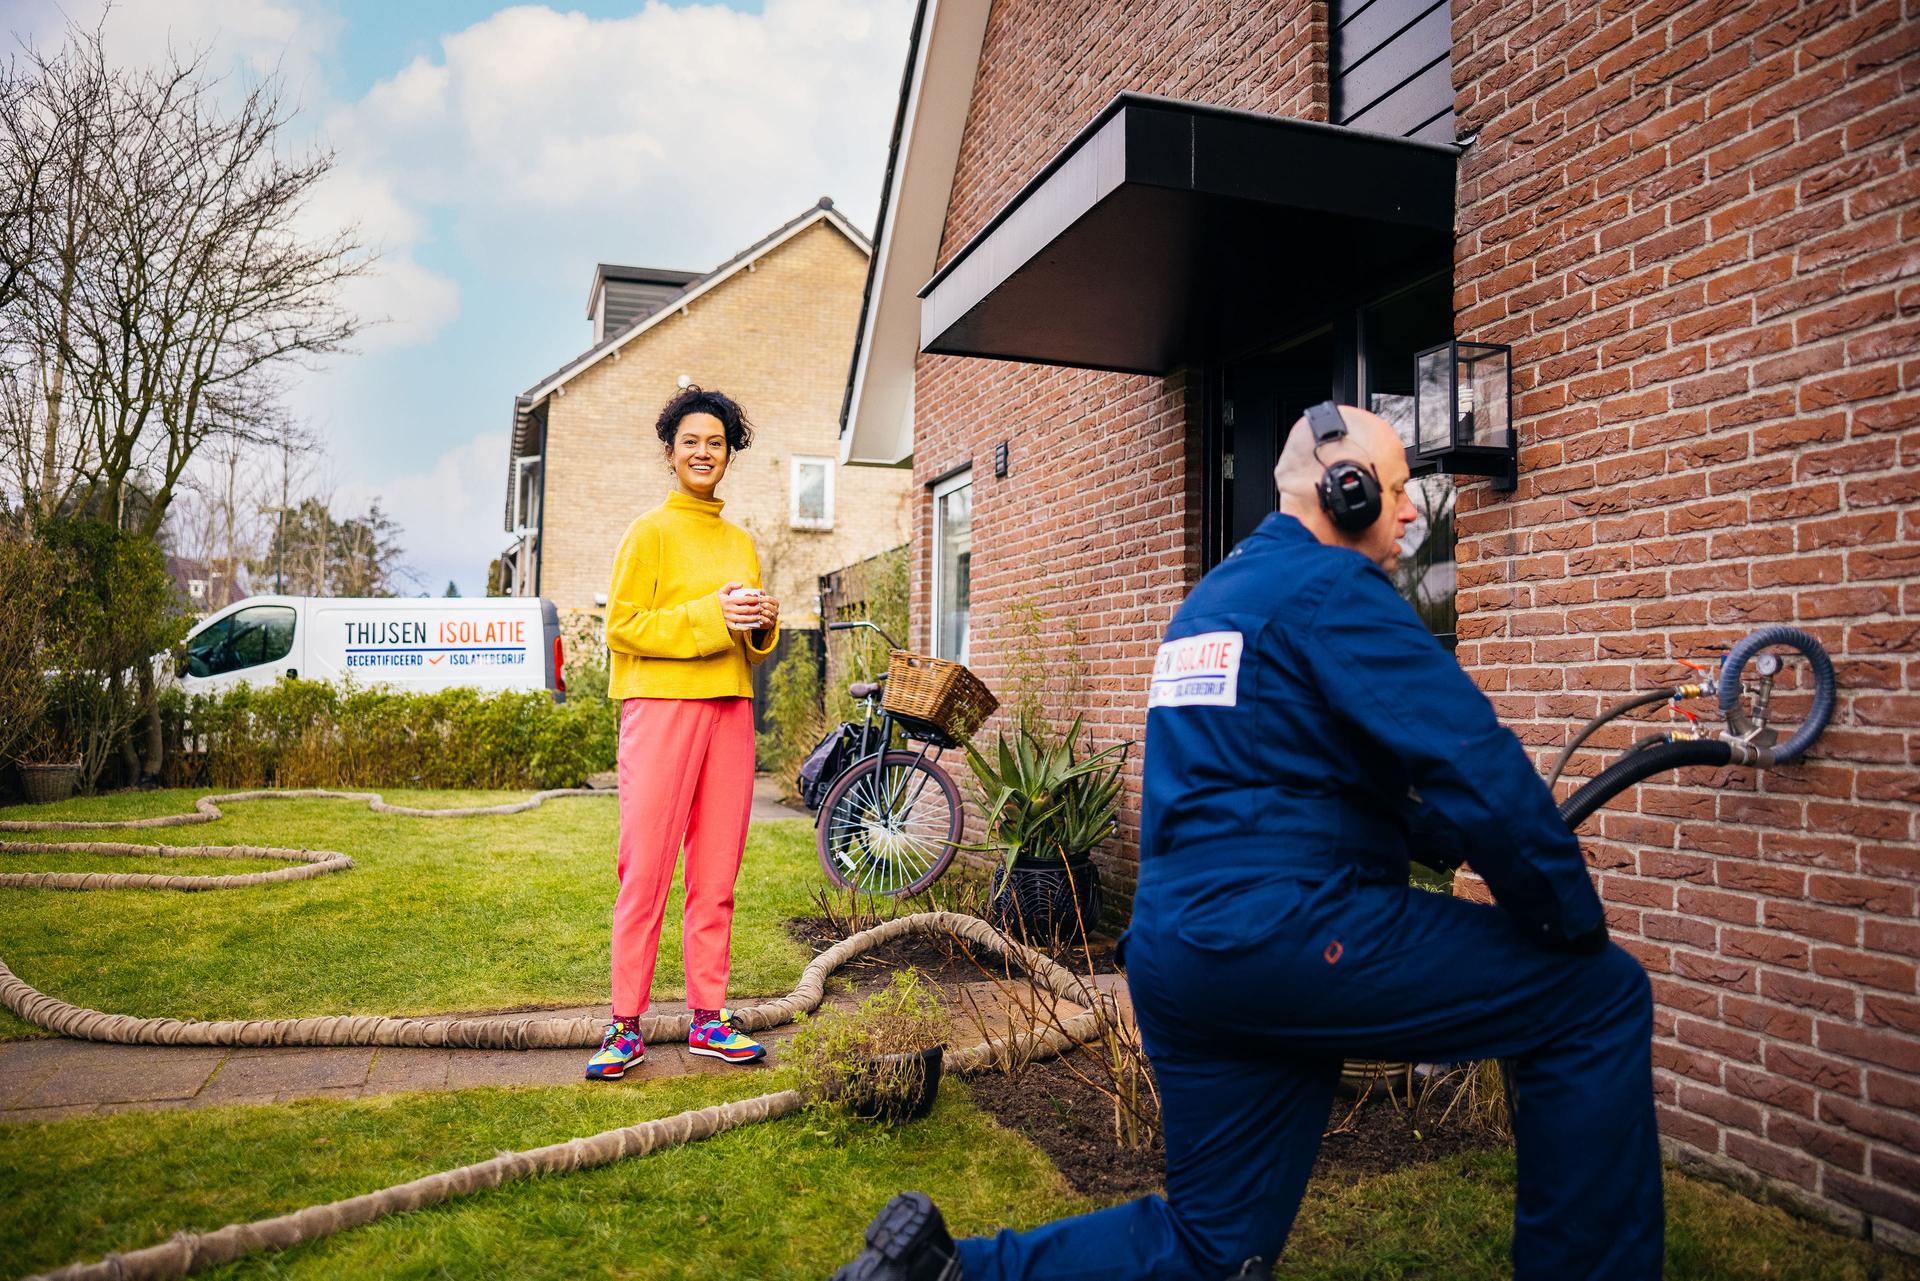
[[1740, 746], [1743, 728]]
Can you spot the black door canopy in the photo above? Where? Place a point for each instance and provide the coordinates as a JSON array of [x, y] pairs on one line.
[[1167, 232]]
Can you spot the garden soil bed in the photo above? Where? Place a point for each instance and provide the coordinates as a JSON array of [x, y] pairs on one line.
[[1071, 1121]]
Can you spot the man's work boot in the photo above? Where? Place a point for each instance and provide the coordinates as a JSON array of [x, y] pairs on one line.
[[907, 1241]]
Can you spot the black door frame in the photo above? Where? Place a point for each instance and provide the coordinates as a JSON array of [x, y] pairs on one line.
[[1347, 321]]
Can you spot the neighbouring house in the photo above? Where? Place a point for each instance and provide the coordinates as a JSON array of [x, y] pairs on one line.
[[202, 586], [1122, 246], [772, 327]]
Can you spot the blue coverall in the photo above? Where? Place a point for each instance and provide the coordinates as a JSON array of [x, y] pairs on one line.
[[1305, 731]]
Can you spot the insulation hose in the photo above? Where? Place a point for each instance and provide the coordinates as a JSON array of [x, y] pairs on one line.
[[1648, 758], [1816, 656], [1636, 766], [1618, 709], [189, 1252]]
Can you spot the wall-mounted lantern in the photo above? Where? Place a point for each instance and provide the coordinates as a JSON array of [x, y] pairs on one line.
[[1463, 411]]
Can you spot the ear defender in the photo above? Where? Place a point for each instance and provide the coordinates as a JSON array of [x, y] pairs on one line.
[[1349, 491]]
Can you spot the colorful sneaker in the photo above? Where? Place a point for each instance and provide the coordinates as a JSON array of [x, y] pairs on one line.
[[717, 1040], [907, 1241], [620, 1049]]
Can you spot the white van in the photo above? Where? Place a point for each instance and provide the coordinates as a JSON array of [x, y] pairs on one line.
[[491, 642]]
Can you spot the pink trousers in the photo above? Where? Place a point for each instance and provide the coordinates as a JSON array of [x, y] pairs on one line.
[[686, 775]]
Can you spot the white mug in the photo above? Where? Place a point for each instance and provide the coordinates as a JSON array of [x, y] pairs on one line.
[[752, 592]]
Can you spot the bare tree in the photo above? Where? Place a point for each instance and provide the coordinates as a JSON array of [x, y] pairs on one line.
[[202, 285], [162, 280], [57, 118]]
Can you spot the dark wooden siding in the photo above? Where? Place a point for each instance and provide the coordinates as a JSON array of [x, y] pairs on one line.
[[628, 301], [1392, 67]]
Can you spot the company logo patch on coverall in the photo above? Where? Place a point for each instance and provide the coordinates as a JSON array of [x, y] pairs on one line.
[[1198, 671]]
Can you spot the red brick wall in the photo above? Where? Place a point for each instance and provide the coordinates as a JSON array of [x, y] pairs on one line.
[[1699, 226], [1093, 521]]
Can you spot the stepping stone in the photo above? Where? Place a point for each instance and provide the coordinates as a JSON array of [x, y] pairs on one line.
[[406, 1068], [515, 1067], [95, 1074], [261, 1076], [25, 1065]]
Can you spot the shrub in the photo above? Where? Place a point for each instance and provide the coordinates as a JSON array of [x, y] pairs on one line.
[[838, 1050], [108, 608], [793, 716], [30, 576], [299, 733]]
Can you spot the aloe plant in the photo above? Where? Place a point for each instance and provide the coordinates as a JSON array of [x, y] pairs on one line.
[[1042, 800]]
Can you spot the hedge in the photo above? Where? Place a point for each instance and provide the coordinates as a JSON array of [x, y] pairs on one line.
[[302, 733]]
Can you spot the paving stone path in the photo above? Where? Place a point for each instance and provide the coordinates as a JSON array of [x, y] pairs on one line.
[[45, 1080]]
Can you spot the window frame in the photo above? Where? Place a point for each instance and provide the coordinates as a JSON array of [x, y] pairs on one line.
[[527, 492], [946, 485], [794, 518]]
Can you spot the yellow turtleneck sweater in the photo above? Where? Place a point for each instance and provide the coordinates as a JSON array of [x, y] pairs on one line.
[[665, 631]]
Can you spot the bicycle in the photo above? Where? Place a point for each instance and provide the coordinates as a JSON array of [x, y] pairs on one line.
[[891, 819]]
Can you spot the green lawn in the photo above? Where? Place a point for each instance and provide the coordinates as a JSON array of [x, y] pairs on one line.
[[435, 916], [783, 1199], [787, 1198], [1454, 1219]]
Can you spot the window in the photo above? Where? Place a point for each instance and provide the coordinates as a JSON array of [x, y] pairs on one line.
[[812, 493], [1391, 331], [952, 565], [263, 634], [526, 493]]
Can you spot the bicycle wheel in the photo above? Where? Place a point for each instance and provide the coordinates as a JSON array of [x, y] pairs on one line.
[[889, 825]]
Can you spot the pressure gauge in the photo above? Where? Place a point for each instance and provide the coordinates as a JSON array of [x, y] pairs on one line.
[[1766, 665]]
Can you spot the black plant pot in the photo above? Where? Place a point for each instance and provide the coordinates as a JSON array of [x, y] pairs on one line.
[[1037, 900], [896, 1087]]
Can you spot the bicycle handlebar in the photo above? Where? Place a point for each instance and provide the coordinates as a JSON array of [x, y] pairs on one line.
[[861, 622]]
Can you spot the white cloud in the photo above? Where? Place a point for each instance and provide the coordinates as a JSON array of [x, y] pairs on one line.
[[402, 303], [676, 135], [449, 515], [260, 37]]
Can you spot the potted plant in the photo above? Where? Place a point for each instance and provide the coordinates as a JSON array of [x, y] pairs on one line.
[[881, 1060], [1048, 807]]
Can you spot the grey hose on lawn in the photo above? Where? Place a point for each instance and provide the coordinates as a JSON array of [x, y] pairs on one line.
[[189, 1252]]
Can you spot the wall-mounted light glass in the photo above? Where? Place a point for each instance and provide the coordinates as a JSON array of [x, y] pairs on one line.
[[1463, 411]]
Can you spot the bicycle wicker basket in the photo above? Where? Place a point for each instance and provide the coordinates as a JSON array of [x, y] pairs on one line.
[[937, 692]]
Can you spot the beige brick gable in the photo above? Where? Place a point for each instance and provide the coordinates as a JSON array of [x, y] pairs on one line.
[[778, 337]]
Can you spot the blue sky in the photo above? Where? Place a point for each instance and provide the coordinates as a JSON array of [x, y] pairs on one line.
[[493, 154]]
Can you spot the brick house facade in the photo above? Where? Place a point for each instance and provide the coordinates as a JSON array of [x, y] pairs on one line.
[[772, 327], [1695, 223]]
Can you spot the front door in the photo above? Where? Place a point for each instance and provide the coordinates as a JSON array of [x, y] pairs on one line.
[[1264, 396]]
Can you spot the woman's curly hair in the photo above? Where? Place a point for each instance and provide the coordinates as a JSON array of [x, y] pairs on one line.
[[696, 400]]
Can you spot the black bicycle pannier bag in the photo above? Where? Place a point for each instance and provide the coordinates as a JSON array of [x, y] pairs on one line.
[[825, 763]]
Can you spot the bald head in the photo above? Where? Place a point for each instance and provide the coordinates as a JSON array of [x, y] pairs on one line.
[[1371, 441]]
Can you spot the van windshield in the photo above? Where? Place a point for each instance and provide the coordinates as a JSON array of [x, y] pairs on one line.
[[262, 634]]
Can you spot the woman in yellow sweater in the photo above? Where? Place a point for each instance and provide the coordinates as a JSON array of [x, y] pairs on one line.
[[686, 622]]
